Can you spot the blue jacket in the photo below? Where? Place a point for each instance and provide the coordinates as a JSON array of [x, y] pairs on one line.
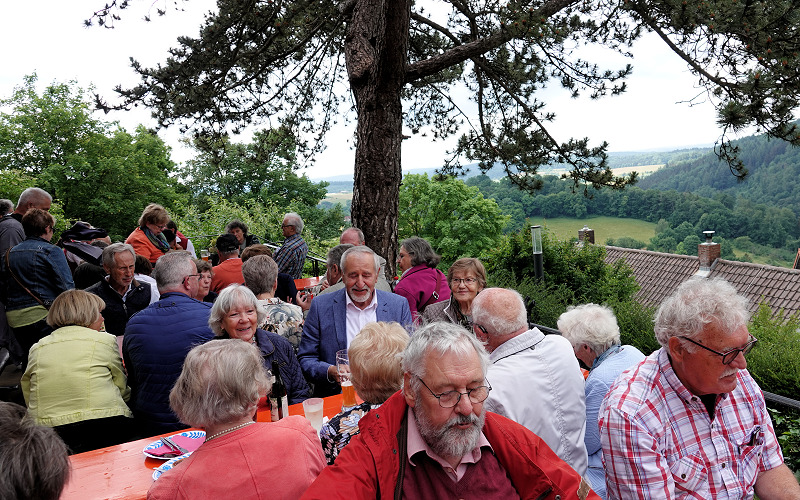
[[156, 342], [42, 268], [325, 332], [273, 347]]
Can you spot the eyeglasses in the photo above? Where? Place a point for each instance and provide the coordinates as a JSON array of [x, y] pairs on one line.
[[466, 281], [286, 225], [728, 356], [451, 398], [191, 276]]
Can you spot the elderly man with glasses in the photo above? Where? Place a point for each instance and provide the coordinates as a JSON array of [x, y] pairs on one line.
[[158, 338], [689, 421], [435, 439]]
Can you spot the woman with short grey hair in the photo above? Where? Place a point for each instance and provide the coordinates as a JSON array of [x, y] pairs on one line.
[[593, 332], [218, 390], [421, 283], [236, 315]]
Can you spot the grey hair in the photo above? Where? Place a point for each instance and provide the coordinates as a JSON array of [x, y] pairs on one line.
[[590, 324], [221, 382], [335, 254], [359, 249], [375, 355], [359, 233], [6, 206], [171, 269], [113, 249], [260, 272], [440, 338], [294, 220], [232, 296], [33, 460], [421, 251], [33, 195], [695, 304], [500, 311]]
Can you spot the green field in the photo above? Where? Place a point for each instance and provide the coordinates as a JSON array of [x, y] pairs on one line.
[[604, 227]]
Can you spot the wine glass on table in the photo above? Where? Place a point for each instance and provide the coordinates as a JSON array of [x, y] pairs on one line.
[[343, 368]]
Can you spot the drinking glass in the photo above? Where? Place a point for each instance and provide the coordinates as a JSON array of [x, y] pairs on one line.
[[312, 408], [348, 392]]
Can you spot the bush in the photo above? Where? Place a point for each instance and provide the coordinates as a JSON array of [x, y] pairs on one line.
[[775, 361], [787, 428]]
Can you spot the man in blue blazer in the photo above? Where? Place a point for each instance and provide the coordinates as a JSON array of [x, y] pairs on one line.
[[336, 318]]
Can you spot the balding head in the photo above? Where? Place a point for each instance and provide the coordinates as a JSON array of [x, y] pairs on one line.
[[33, 197], [352, 236], [498, 314]]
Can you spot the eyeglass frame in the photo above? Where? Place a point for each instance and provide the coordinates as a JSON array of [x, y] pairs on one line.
[[199, 276], [466, 281], [438, 397], [744, 350]]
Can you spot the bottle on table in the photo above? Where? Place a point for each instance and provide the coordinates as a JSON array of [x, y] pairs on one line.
[[278, 398]]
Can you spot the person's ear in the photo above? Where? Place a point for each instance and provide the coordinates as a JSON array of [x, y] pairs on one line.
[[408, 393], [676, 349]]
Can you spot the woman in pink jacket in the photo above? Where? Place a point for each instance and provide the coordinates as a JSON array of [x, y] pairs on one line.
[[421, 283]]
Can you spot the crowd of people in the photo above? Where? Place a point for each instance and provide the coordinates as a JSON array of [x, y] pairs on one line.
[[461, 397]]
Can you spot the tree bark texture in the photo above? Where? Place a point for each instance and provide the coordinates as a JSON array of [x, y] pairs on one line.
[[376, 52]]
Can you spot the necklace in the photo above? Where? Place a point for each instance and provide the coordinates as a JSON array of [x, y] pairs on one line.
[[236, 427]]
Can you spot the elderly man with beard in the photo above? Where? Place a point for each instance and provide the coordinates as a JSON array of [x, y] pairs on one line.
[[689, 421], [434, 439], [336, 318]]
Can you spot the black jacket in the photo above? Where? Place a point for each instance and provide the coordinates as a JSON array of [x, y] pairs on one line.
[[117, 313]]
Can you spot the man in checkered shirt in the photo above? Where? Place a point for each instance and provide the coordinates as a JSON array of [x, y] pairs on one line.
[[689, 421]]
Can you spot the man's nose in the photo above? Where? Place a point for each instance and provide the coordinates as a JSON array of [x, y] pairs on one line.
[[739, 361], [464, 406]]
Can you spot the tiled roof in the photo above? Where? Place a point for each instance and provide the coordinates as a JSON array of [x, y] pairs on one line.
[[658, 274]]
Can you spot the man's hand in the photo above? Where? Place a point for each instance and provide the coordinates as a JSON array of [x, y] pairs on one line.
[[333, 374], [304, 301]]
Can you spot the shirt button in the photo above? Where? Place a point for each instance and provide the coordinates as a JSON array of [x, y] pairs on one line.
[[723, 465], [683, 476]]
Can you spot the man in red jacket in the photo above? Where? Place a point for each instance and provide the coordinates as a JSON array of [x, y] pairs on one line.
[[434, 439]]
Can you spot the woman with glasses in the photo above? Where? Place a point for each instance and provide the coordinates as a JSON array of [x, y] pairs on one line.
[[466, 278], [421, 283], [147, 239], [206, 271]]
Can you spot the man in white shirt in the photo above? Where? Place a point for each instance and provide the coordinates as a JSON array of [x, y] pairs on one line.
[[536, 380]]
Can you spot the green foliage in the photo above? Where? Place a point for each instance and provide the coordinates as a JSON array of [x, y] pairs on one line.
[[102, 176], [787, 428], [453, 217], [626, 242], [262, 170], [774, 361], [14, 182], [572, 275]]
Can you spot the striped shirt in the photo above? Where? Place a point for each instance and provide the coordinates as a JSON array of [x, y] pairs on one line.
[[659, 441]]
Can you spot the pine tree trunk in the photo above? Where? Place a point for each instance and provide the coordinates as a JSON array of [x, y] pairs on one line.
[[376, 51]]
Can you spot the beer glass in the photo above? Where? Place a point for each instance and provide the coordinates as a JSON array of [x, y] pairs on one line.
[[343, 367]]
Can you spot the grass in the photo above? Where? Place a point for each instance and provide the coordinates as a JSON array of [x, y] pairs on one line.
[[604, 227]]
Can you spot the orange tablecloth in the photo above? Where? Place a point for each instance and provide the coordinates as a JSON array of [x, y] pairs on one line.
[[123, 472], [304, 283]]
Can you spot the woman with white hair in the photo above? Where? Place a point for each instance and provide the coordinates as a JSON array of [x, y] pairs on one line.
[[218, 390], [236, 315], [594, 334]]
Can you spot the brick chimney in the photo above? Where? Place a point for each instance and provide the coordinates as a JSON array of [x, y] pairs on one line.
[[586, 235], [708, 252]]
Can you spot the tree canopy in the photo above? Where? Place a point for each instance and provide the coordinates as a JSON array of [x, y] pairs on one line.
[[400, 61], [97, 171]]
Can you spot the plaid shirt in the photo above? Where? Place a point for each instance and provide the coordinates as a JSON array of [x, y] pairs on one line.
[[291, 256], [659, 442]]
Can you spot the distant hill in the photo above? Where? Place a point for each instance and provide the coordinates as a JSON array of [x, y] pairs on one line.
[[773, 179]]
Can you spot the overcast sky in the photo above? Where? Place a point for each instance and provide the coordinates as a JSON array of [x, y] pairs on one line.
[[48, 37]]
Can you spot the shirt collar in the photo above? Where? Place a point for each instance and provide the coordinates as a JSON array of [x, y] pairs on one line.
[[416, 444], [372, 303]]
